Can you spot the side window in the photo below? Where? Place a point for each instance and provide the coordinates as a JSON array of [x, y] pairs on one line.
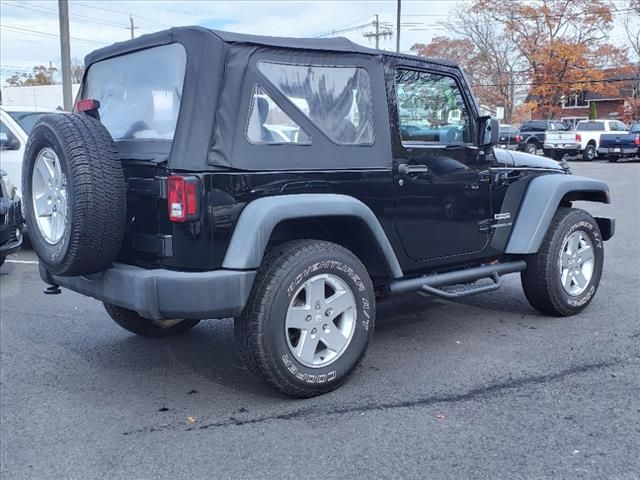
[[268, 123], [336, 99], [621, 126], [431, 108]]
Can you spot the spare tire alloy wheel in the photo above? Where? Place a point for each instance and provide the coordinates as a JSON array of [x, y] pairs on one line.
[[74, 194], [309, 318], [49, 196]]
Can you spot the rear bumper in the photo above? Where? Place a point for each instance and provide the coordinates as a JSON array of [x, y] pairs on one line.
[[619, 151], [161, 294], [574, 147]]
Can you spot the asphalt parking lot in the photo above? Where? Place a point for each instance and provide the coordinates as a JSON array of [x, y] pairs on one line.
[[484, 388]]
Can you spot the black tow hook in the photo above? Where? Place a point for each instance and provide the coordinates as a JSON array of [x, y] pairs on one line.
[[52, 290]]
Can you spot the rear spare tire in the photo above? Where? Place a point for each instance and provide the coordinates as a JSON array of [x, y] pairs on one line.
[[74, 194]]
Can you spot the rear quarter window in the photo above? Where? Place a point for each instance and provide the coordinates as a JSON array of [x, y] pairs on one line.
[[336, 99]]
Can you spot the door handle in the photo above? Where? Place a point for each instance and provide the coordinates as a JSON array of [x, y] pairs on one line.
[[406, 169]]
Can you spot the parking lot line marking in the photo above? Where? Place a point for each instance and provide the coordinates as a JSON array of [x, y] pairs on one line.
[[28, 262]]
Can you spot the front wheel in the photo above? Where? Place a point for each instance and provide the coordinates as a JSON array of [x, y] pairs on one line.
[[563, 277], [309, 318], [134, 323]]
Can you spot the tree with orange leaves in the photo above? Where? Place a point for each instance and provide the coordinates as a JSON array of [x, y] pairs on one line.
[[564, 43]]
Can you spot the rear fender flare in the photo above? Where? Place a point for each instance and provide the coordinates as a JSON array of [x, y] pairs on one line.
[[259, 218], [542, 199]]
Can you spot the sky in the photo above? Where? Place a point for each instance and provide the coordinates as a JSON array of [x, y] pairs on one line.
[[29, 28]]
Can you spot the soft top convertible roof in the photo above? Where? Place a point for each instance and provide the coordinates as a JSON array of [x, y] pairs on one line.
[[334, 44], [221, 73]]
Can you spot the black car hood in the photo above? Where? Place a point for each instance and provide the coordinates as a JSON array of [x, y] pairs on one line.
[[525, 160]]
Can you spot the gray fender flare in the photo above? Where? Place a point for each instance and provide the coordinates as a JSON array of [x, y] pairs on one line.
[[541, 200], [260, 217]]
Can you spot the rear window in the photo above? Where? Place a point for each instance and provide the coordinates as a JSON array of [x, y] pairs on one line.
[[140, 92], [27, 120], [336, 99], [590, 126], [635, 128], [534, 126]]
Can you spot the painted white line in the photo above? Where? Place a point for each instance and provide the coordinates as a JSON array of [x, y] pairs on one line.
[[28, 262]]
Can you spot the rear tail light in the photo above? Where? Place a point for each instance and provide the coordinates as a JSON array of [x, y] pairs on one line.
[[518, 138], [182, 198], [578, 137], [87, 105], [637, 140]]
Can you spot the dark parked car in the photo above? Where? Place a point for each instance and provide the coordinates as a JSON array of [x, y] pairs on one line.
[[11, 221], [172, 201], [508, 137], [532, 134], [614, 146]]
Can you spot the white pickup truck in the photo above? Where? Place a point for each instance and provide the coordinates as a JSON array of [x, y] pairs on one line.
[[586, 139], [15, 127]]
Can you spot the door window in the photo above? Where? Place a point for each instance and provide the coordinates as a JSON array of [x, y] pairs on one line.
[[431, 109]]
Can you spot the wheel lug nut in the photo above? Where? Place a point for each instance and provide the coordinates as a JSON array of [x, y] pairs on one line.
[[325, 327], [314, 331], [328, 312], [317, 305], [308, 318]]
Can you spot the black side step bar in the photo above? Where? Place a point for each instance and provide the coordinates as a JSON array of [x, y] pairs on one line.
[[442, 284]]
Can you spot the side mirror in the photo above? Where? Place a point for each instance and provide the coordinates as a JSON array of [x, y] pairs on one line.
[[489, 131], [8, 142]]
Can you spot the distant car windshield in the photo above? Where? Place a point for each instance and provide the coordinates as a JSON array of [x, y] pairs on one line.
[[590, 126], [635, 128], [140, 92], [26, 120]]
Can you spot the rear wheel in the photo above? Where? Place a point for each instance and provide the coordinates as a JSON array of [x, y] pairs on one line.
[[589, 153], [309, 318], [612, 159], [563, 277], [531, 148], [134, 323]]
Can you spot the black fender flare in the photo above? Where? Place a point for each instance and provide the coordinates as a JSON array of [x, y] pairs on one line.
[[259, 218], [541, 200]]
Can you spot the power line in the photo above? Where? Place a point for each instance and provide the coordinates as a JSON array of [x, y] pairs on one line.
[[46, 34], [83, 18], [95, 7]]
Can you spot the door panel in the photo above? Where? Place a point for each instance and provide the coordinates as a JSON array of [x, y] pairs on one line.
[[442, 186]]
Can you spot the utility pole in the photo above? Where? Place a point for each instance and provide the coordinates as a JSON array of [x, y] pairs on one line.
[[398, 27], [384, 32], [65, 54], [131, 26]]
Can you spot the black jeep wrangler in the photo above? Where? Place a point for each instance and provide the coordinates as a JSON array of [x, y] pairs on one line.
[[290, 184]]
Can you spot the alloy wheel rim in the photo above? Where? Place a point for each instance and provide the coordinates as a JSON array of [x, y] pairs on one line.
[[321, 320], [49, 196], [576, 263]]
